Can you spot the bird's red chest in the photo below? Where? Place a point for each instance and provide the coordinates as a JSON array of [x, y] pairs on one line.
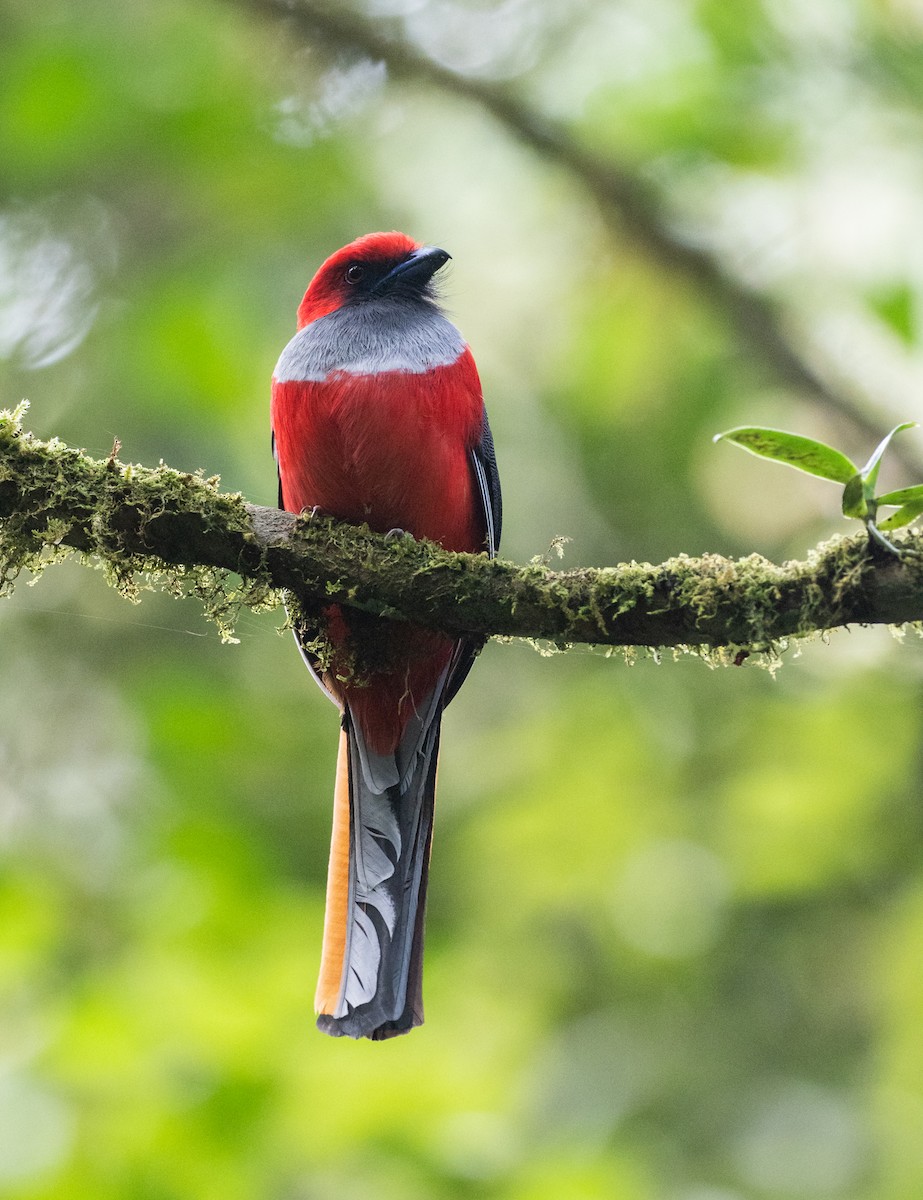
[[390, 450]]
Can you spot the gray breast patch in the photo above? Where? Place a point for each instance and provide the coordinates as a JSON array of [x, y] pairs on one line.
[[364, 339]]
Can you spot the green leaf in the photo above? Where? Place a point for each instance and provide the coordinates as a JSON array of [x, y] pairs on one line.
[[855, 502], [908, 495], [870, 470], [909, 512], [806, 454]]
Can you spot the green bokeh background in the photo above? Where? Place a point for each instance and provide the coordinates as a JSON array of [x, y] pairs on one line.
[[675, 934]]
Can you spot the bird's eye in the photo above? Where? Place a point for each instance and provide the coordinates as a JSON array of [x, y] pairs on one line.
[[354, 272]]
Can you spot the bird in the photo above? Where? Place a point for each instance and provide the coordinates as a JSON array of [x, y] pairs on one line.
[[378, 419]]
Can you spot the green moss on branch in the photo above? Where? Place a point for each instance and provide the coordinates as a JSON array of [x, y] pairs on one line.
[[156, 527]]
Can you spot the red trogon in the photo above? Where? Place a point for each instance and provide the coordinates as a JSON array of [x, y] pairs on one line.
[[378, 418]]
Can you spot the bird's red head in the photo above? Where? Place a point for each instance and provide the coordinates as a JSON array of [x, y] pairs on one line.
[[375, 264]]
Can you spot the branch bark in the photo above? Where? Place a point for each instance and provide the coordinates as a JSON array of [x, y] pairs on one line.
[[181, 528], [625, 200]]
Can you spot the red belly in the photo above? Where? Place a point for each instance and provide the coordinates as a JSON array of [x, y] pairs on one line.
[[391, 451]]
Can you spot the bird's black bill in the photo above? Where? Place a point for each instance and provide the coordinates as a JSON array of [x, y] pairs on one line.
[[416, 270]]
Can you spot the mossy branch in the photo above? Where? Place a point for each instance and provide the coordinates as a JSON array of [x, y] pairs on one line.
[[159, 527]]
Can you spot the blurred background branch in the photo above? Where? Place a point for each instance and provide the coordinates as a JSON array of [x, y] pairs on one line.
[[627, 201]]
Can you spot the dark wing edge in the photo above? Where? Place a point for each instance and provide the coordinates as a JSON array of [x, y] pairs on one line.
[[484, 465], [484, 468], [275, 455]]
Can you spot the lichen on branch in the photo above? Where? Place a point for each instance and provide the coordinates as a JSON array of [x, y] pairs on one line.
[[154, 527], [146, 528]]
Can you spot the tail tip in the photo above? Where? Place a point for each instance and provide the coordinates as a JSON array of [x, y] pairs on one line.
[[355, 1026]]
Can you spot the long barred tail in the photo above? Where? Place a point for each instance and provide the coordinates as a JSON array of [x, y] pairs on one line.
[[371, 974]]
